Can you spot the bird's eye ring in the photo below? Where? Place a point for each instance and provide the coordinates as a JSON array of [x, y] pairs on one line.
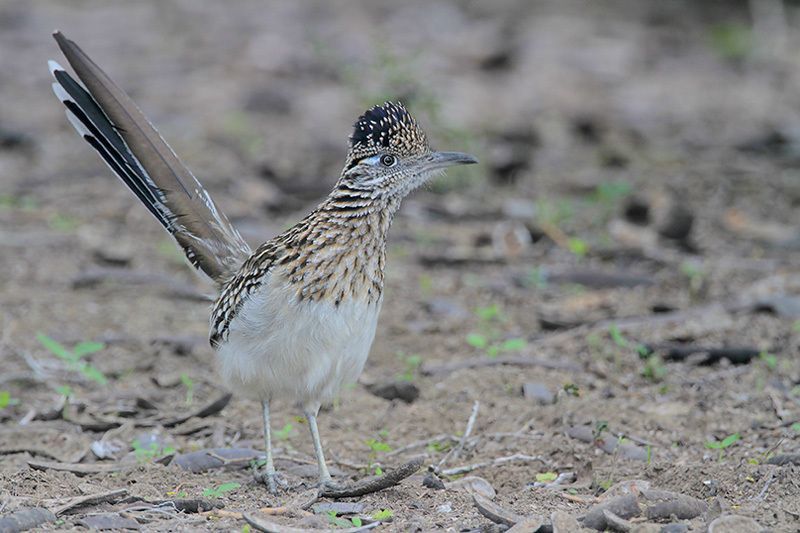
[[388, 160]]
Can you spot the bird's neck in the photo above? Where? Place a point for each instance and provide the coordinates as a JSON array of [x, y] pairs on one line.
[[339, 252]]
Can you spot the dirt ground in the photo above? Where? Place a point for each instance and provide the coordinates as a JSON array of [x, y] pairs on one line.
[[613, 292]]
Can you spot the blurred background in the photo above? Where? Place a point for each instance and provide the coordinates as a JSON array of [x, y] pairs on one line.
[[639, 159]]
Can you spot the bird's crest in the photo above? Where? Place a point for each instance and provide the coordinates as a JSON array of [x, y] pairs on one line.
[[386, 128]]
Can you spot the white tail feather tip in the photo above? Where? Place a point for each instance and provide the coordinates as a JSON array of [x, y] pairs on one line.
[[78, 125], [53, 66], [61, 93]]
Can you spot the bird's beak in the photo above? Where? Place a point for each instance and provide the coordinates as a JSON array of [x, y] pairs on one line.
[[439, 160]]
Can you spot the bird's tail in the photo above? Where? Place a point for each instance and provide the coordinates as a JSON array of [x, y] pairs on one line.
[[114, 126]]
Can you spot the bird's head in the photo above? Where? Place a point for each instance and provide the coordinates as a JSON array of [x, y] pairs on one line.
[[390, 156]]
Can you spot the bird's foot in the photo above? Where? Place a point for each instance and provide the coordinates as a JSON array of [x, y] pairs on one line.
[[272, 480], [329, 484]]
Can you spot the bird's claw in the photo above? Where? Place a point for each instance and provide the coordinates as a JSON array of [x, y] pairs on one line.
[[272, 480]]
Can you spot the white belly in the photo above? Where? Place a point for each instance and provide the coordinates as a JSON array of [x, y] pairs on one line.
[[279, 347]]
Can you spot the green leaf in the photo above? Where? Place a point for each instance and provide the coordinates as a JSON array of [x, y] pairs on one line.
[[488, 313], [85, 348], [385, 514], [477, 340], [55, 347], [493, 351], [514, 345], [5, 399], [378, 446], [546, 477], [796, 427], [64, 390], [94, 374], [730, 439], [356, 521], [577, 246]]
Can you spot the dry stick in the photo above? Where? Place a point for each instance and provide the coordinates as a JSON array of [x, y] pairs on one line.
[[100, 497], [79, 469], [770, 479], [373, 484], [455, 452], [262, 524], [494, 462]]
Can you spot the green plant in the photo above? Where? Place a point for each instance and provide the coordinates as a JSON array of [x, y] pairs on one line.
[[73, 357], [151, 451], [189, 385], [285, 432], [546, 477], [572, 389], [795, 427], [696, 276], [600, 427], [376, 446], [770, 360], [731, 41], [61, 222], [64, 390], [382, 515], [219, 490], [412, 364], [6, 400], [723, 444], [654, 368]]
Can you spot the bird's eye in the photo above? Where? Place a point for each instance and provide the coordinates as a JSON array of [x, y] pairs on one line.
[[388, 160]]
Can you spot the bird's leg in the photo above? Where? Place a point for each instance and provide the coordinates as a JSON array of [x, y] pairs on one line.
[[269, 474], [324, 474]]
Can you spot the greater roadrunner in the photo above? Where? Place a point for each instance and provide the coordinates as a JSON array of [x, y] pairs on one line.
[[295, 318]]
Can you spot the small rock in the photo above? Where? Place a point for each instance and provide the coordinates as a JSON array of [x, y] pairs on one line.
[[445, 508], [531, 524], [432, 481], [564, 523], [623, 506], [395, 390], [538, 392], [338, 507], [732, 523], [616, 523], [473, 485], [674, 528], [627, 486], [647, 527], [108, 521], [26, 518]]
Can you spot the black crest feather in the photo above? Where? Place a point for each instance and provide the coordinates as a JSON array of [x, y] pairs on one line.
[[387, 127]]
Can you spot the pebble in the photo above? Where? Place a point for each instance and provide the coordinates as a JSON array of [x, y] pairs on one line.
[[732, 523]]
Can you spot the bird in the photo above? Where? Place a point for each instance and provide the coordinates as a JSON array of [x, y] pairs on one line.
[[294, 318]]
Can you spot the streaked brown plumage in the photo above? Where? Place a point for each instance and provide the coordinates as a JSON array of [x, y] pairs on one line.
[[296, 317]]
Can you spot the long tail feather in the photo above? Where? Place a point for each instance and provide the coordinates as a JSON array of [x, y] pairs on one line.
[[112, 124]]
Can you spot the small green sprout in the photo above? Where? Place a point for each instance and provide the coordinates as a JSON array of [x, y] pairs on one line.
[[6, 400], [412, 363], [795, 427], [189, 384], [285, 432], [769, 359], [64, 390], [723, 444], [546, 477], [378, 446], [477, 340], [572, 389], [488, 313], [382, 515], [151, 451], [578, 246], [73, 357], [219, 490]]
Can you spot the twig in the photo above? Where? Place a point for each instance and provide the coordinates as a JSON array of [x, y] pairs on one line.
[[89, 499], [262, 524], [770, 479], [373, 484], [79, 469], [494, 462], [455, 452], [494, 512]]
